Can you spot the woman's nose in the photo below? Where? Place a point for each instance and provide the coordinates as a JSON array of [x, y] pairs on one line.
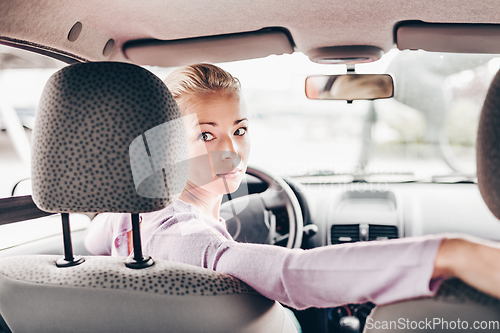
[[228, 149], [229, 155]]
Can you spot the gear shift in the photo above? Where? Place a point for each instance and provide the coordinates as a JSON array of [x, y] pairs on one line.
[[349, 324]]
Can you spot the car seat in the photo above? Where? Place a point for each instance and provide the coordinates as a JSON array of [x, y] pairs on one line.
[[108, 137]]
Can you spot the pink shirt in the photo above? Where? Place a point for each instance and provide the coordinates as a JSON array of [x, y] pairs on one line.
[[378, 271]]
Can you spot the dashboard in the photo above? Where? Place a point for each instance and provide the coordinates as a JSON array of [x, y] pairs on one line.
[[416, 209], [349, 213], [355, 212]]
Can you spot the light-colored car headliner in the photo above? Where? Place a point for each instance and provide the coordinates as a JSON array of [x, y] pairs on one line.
[[312, 24]]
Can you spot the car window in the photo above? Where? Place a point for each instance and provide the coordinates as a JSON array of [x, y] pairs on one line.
[[22, 77]]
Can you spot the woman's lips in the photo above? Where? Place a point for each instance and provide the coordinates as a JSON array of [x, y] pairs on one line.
[[230, 175]]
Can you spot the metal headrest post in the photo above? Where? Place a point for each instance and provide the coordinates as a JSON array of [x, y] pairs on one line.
[[68, 259], [138, 261]]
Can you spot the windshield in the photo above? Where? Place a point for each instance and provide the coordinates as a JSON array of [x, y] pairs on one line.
[[427, 129]]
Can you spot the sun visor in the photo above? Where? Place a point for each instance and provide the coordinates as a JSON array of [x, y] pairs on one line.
[[213, 49], [444, 37]]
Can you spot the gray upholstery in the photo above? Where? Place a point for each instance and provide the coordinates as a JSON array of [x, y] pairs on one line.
[[89, 153], [102, 295], [454, 301], [109, 273], [488, 148]]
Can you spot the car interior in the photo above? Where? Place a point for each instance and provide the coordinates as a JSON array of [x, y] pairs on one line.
[[373, 121]]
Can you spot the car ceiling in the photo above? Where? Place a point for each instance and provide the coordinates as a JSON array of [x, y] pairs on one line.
[[312, 24]]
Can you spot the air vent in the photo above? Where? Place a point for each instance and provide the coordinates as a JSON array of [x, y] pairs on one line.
[[380, 232], [344, 233]]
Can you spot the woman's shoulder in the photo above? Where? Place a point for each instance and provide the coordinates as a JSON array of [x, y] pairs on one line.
[[114, 221], [184, 218], [181, 211], [177, 211]]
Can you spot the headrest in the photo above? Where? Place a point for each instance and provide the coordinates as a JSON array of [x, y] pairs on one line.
[[488, 148], [108, 137]]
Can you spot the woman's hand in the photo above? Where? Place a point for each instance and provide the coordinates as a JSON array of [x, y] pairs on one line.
[[474, 261]]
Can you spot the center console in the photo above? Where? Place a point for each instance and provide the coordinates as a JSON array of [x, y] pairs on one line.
[[360, 216]]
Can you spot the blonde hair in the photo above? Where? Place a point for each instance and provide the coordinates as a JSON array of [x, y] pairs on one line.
[[202, 78]]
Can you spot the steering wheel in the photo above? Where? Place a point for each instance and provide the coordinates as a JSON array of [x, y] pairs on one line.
[[250, 217]]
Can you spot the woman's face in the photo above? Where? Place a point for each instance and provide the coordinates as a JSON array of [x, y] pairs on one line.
[[219, 145]]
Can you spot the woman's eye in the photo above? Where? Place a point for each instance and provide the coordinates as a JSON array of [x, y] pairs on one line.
[[240, 131], [205, 136]]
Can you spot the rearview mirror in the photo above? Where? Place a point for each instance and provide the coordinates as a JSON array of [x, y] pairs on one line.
[[350, 87]]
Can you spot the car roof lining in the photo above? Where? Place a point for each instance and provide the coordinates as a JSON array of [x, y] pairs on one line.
[[312, 25]]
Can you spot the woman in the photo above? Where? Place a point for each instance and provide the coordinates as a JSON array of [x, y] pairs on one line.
[[190, 230]]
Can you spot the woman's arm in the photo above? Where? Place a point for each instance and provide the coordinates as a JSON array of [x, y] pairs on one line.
[[474, 261], [98, 236], [380, 272]]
